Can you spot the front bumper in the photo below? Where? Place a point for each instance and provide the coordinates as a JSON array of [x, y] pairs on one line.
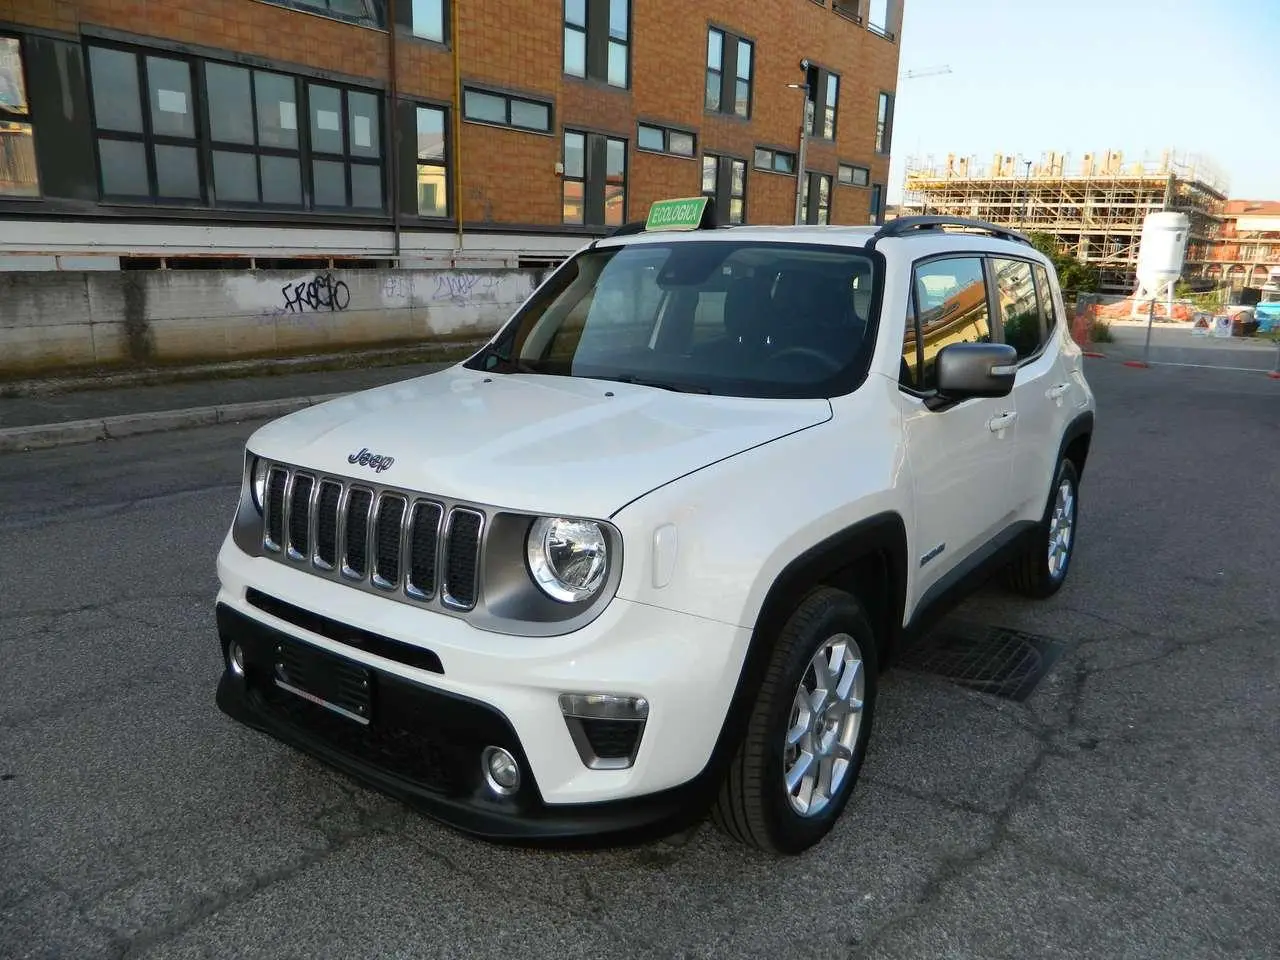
[[430, 725], [424, 748]]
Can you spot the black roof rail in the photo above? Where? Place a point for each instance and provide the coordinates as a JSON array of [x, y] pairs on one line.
[[905, 225], [635, 226]]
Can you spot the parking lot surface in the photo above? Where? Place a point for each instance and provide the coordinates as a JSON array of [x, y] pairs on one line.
[[1127, 808]]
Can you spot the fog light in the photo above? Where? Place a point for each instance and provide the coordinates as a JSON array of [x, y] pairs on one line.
[[501, 772], [237, 659]]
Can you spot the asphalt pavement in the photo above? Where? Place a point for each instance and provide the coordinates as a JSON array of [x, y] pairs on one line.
[[1128, 808]]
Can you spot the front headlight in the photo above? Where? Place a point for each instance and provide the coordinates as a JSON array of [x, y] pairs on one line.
[[568, 559], [258, 485]]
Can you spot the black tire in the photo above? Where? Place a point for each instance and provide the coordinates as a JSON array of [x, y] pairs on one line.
[[753, 806], [1030, 574]]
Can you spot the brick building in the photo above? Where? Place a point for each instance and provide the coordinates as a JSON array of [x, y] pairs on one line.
[[1247, 249], [244, 132]]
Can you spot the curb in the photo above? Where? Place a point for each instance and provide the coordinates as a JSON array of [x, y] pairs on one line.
[[45, 435]]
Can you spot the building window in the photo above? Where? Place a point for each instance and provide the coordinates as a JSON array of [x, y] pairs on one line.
[[655, 139], [18, 175], [597, 41], [428, 19], [146, 126], [878, 18], [729, 66], [847, 8], [877, 203], [253, 132], [884, 122], [595, 179], [823, 95], [724, 179], [367, 13], [482, 106], [853, 176], [264, 138], [346, 148], [777, 161], [433, 164], [816, 185]]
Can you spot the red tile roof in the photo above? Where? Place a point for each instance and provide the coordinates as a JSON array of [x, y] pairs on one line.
[[1256, 208]]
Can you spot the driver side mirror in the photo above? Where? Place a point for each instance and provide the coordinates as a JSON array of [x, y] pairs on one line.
[[967, 370]]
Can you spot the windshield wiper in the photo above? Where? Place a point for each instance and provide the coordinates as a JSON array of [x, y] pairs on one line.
[[658, 384]]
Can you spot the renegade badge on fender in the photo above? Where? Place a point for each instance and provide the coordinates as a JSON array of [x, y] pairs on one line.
[[643, 555]]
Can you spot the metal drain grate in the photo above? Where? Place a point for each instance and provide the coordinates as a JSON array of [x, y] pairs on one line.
[[995, 660]]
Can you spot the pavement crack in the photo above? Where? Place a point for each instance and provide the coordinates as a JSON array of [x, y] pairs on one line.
[[146, 941], [953, 868]]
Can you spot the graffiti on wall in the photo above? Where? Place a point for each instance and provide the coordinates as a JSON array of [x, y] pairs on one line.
[[462, 288], [322, 292]]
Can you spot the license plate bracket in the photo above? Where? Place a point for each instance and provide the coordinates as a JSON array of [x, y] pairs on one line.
[[326, 680]]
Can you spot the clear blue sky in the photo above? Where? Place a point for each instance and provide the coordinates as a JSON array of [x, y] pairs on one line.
[[1031, 76]]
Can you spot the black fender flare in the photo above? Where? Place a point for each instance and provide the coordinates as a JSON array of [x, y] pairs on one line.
[[883, 533]]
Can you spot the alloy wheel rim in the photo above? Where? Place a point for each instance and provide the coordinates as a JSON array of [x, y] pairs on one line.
[[1061, 527], [825, 719]]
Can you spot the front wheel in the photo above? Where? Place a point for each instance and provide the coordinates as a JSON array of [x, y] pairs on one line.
[[808, 731], [1042, 567]]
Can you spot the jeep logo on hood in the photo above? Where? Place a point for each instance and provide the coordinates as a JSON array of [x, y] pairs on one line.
[[366, 459]]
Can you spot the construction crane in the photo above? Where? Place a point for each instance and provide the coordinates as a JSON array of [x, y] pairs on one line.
[[926, 72]]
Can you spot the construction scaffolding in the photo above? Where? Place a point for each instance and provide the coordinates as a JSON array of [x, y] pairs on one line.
[[1095, 212]]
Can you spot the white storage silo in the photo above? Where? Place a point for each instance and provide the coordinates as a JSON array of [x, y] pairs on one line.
[[1161, 254]]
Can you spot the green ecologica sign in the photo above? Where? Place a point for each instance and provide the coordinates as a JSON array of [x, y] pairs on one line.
[[676, 214]]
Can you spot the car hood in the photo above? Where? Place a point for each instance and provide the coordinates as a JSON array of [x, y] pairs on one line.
[[527, 442]]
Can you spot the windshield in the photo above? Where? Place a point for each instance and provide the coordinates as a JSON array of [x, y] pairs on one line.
[[715, 316]]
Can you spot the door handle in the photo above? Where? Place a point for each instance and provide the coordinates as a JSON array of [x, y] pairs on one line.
[[1001, 421], [1056, 391]]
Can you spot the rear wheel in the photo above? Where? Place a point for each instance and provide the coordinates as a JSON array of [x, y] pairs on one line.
[[808, 731], [1041, 569]]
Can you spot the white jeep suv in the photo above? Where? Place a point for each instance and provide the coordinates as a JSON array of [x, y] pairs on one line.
[[647, 552]]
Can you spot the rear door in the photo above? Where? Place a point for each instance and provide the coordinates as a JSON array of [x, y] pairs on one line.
[[1029, 319], [961, 455]]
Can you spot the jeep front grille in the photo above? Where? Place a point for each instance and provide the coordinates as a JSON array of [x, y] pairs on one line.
[[412, 547]]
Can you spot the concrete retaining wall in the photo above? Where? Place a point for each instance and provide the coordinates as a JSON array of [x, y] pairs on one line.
[[53, 322]]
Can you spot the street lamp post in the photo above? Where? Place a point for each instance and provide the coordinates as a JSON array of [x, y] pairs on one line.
[[804, 140]]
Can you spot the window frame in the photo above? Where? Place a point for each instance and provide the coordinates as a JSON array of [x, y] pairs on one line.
[[666, 130], [509, 97], [884, 127], [23, 117], [812, 181], [595, 182], [446, 161], [876, 203], [203, 142], [817, 82], [853, 167], [147, 137], [312, 7], [727, 73], [774, 153], [994, 326], [723, 196], [445, 25], [993, 287], [256, 150], [597, 41], [379, 21]]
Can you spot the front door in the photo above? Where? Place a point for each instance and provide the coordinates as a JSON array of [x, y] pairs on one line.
[[961, 456]]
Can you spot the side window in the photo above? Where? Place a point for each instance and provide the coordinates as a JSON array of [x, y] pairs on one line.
[[950, 307], [1019, 311], [1047, 308]]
